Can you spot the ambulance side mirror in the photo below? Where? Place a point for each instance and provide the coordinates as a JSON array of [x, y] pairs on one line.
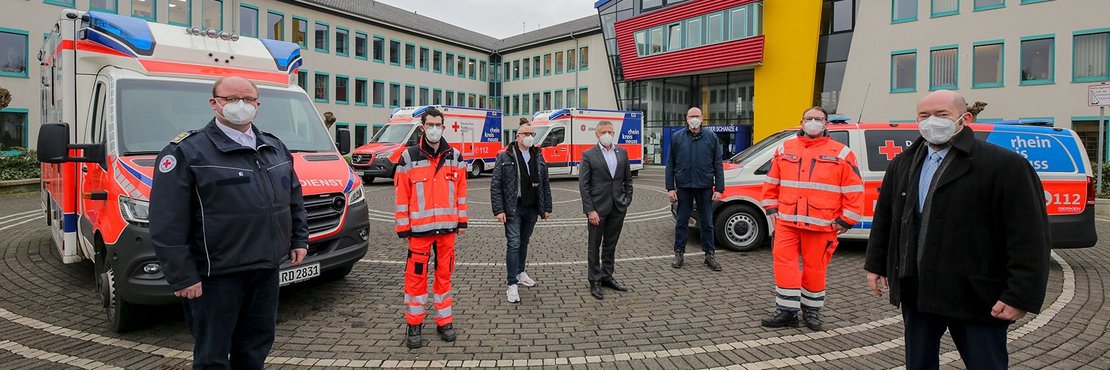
[[344, 137], [54, 146]]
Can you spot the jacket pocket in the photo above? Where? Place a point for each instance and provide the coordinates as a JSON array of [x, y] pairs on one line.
[[232, 188], [984, 291]]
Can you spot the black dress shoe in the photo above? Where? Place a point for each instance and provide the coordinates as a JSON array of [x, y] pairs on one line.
[[812, 319], [678, 260], [447, 332], [595, 290], [781, 319], [412, 337], [613, 284]]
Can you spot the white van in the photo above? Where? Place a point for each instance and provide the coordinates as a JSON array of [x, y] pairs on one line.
[[1055, 153]]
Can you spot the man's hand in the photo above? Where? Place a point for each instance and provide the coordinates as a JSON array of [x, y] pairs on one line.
[[1003, 311], [546, 215], [191, 292], [840, 229], [500, 217], [594, 218], [296, 256], [672, 195], [877, 283], [716, 196], [461, 232]]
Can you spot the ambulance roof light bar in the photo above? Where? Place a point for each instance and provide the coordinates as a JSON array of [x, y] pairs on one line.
[[212, 33]]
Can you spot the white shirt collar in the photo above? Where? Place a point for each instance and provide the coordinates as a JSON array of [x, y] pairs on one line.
[[246, 139], [612, 150]]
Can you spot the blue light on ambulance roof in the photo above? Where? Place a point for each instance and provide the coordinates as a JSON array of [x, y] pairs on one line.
[[286, 54], [133, 33]]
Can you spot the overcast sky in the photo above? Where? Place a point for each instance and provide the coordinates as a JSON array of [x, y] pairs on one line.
[[499, 18]]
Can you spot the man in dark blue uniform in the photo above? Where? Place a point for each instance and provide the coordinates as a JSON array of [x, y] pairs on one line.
[[695, 173], [225, 212]]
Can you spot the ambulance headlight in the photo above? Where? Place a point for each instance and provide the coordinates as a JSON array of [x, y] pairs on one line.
[[135, 211], [356, 197]]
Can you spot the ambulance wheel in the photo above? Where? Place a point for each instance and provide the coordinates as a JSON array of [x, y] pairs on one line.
[[367, 180], [635, 173], [740, 228], [476, 168], [122, 315]]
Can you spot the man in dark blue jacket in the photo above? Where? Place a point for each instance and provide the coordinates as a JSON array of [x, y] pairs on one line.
[[520, 192], [225, 212], [695, 174]]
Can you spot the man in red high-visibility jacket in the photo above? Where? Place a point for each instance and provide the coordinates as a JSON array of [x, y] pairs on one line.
[[430, 211], [814, 193]]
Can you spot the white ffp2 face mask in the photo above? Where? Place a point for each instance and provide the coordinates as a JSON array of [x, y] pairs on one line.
[[606, 139], [433, 134], [239, 113], [529, 141], [938, 130], [694, 122], [813, 127]]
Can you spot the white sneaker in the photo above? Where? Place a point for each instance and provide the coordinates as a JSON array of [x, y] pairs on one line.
[[524, 280], [512, 295]]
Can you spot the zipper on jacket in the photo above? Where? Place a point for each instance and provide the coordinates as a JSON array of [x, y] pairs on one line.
[[264, 177]]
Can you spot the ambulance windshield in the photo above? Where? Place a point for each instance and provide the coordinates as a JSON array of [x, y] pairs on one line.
[[393, 134], [761, 146], [152, 112]]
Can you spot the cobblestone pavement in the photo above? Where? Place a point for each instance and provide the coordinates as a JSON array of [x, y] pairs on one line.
[[688, 318]]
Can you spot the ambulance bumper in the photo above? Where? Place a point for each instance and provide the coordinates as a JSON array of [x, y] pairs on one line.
[[135, 285], [1073, 231]]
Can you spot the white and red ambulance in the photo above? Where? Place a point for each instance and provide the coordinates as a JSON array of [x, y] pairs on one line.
[[563, 134], [115, 91], [1057, 154], [473, 131]]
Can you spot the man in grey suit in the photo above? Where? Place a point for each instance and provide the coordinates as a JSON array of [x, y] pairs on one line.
[[605, 181]]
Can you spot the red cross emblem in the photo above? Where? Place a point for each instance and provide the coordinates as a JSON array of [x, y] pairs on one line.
[[890, 150], [583, 127], [455, 126], [167, 163]]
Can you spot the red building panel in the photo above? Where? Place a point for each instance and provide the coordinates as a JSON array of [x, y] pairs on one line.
[[707, 57]]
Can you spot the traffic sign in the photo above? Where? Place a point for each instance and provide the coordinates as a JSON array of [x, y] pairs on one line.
[[1098, 95]]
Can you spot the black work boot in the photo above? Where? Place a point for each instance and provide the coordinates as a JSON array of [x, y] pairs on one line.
[[595, 290], [711, 261], [412, 337], [678, 260], [447, 332], [812, 319], [781, 319]]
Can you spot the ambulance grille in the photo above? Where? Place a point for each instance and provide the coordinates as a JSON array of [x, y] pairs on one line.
[[324, 211], [362, 158]]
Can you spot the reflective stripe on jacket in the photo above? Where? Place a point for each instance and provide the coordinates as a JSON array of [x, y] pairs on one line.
[[430, 191], [814, 183]]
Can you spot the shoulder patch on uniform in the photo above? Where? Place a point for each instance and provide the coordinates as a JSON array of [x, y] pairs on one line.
[[829, 158], [181, 136], [167, 163]]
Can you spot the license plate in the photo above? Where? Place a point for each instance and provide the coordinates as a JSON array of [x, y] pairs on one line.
[[299, 274]]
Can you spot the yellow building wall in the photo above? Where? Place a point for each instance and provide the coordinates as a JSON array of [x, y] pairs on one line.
[[784, 83]]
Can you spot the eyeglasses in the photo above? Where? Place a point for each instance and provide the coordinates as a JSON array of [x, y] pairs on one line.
[[533, 134], [233, 100], [822, 119]]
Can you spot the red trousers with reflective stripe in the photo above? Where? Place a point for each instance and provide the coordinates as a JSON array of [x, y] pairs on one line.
[[416, 277], [815, 249]]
